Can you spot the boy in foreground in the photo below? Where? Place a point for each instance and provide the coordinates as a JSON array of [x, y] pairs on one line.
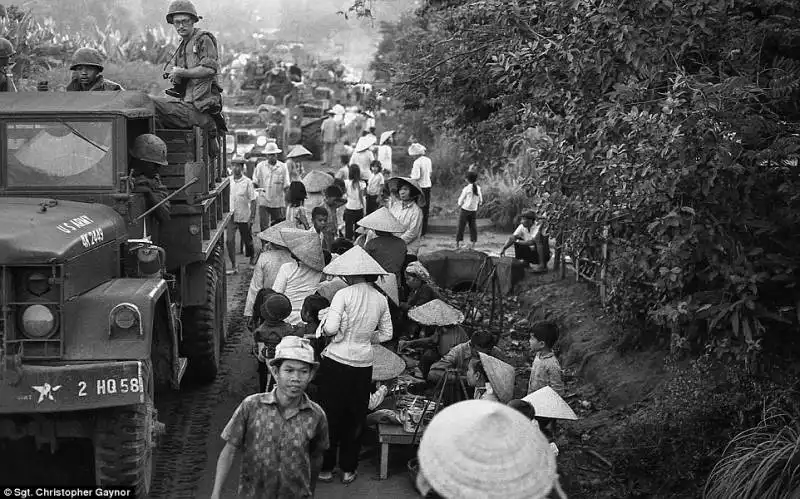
[[282, 433]]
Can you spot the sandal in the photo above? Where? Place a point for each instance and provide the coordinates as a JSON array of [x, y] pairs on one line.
[[325, 476], [348, 478]]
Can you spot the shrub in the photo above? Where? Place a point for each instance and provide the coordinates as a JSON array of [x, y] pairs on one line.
[[505, 198], [136, 75]]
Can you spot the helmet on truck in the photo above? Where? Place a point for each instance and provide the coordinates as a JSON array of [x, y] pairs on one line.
[[148, 147], [6, 48], [182, 7], [86, 56]]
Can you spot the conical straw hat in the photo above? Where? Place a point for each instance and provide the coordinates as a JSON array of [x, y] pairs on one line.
[[306, 246], [386, 364], [478, 449], [272, 234], [385, 135], [298, 151], [501, 376], [365, 142], [416, 149], [399, 181], [549, 404], [317, 181], [388, 284], [382, 220], [354, 261], [436, 313]]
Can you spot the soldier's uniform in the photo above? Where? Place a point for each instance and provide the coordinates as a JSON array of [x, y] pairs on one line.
[[149, 152], [90, 57]]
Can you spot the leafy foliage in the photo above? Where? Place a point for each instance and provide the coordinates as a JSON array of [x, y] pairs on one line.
[[669, 120]]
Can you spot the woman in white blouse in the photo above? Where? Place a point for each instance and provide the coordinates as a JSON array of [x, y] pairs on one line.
[[301, 277], [357, 318], [405, 205]]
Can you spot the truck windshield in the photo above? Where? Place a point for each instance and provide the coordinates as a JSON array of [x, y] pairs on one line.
[[59, 153]]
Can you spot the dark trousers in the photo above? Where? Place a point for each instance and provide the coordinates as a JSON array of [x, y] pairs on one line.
[[426, 191], [264, 378], [343, 393], [429, 357], [530, 254], [270, 216], [246, 236], [351, 217], [372, 203], [467, 217]]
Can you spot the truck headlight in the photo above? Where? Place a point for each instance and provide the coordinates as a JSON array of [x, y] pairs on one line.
[[125, 319], [38, 322]]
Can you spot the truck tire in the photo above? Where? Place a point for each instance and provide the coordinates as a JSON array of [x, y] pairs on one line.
[[124, 438], [222, 293], [201, 330]]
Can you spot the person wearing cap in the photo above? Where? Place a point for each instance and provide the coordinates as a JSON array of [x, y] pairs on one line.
[[362, 156], [271, 178], [405, 207], [275, 309], [441, 331], [386, 248], [282, 434], [294, 162], [458, 358], [385, 151], [149, 153], [269, 262], [530, 243], [87, 64], [358, 317], [331, 129], [421, 171], [478, 449], [243, 206], [301, 277], [6, 76]]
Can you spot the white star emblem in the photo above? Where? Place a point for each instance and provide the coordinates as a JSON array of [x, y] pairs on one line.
[[46, 391]]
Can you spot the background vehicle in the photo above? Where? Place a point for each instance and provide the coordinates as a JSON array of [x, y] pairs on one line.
[[102, 307]]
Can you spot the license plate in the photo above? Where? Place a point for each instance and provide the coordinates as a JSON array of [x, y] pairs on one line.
[[73, 387]]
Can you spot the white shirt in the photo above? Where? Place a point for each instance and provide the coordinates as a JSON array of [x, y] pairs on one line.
[[375, 185], [469, 201], [421, 171], [385, 157], [296, 281], [411, 217], [363, 159], [273, 179], [358, 317], [264, 273], [241, 195], [354, 201], [528, 234]]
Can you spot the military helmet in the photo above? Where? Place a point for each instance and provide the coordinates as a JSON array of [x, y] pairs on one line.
[[181, 7], [6, 48], [148, 147], [86, 56]]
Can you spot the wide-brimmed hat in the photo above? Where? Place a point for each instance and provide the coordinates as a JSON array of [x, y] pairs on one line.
[[478, 449], [436, 313], [354, 261], [382, 220], [272, 148], [294, 348], [272, 234], [306, 246], [413, 184], [388, 284], [416, 149], [548, 404], [298, 151], [386, 364], [529, 214], [277, 307], [364, 143], [501, 376], [419, 271], [331, 112], [317, 181], [385, 136]]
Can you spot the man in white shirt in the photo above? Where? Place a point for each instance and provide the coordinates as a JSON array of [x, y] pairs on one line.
[[530, 244], [385, 151], [421, 172], [330, 135], [243, 205], [271, 178]]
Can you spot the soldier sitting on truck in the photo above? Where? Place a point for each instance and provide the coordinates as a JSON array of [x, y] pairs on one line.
[[6, 78], [87, 64], [149, 152], [194, 77]]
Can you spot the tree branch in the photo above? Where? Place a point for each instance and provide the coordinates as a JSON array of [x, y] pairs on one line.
[[446, 59]]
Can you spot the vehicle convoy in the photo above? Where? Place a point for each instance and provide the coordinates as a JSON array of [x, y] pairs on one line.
[[101, 306]]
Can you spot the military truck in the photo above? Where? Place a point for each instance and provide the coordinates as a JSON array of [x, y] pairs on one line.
[[100, 307]]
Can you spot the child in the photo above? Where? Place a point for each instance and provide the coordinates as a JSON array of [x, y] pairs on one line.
[[469, 200], [331, 202], [546, 370], [296, 211], [375, 186], [276, 308], [529, 412], [344, 168], [354, 208]]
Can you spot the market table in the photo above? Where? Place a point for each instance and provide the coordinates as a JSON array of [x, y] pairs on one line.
[[389, 434]]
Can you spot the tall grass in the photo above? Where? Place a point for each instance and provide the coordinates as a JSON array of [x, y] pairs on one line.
[[135, 75], [760, 463], [505, 197]]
